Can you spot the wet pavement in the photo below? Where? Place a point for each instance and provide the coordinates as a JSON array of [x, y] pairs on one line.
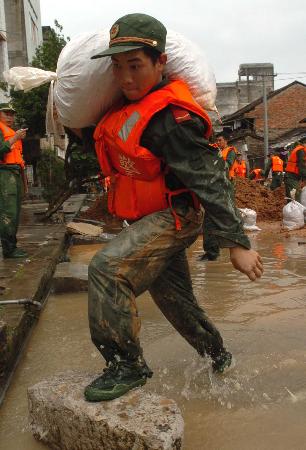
[[259, 404], [28, 279]]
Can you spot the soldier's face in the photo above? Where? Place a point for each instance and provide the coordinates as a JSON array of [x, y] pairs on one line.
[[7, 117], [136, 74]]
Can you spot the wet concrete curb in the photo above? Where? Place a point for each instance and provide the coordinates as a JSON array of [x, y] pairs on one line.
[[29, 279]]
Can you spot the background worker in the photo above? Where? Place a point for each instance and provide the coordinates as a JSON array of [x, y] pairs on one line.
[[257, 174], [276, 165], [155, 140], [12, 182], [241, 169], [229, 153], [295, 171]]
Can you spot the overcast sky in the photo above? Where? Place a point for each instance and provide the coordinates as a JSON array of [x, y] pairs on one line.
[[231, 32]]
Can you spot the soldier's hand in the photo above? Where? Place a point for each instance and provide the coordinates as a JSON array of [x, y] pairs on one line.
[[247, 261]]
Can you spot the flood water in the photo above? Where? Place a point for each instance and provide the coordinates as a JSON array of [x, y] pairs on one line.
[[259, 404]]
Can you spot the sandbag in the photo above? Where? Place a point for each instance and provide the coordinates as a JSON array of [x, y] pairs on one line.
[[85, 89], [303, 196], [293, 215], [249, 219]]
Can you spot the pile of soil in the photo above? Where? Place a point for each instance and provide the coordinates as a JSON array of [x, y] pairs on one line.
[[249, 194], [267, 204]]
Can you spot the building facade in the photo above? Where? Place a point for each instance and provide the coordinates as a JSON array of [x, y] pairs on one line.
[[23, 24], [286, 121], [249, 87], [4, 62]]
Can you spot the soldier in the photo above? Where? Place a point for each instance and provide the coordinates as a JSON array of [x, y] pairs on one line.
[[241, 169], [229, 153], [257, 174], [276, 165], [11, 180], [295, 171], [154, 145]]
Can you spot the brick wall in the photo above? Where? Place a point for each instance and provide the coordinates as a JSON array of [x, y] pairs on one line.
[[285, 111]]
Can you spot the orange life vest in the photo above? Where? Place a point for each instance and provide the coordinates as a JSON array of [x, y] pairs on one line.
[[14, 156], [241, 169], [292, 166], [258, 174], [138, 183], [232, 168], [277, 164]]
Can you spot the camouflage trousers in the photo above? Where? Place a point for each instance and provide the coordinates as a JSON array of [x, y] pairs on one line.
[[292, 182], [277, 178], [10, 206], [148, 255]]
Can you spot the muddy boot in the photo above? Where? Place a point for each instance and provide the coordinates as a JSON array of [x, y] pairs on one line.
[[222, 362], [118, 378], [208, 257], [16, 253]]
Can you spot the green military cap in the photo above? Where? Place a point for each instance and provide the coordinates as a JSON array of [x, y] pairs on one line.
[[7, 107], [135, 31]]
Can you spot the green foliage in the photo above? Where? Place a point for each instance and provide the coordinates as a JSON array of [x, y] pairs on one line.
[[51, 172], [81, 165], [31, 106]]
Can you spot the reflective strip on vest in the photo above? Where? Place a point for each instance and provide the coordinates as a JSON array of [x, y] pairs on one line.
[[127, 127]]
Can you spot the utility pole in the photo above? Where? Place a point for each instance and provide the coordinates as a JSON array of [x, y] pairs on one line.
[[266, 126]]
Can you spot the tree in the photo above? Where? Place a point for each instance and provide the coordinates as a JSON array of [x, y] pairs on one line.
[[31, 106]]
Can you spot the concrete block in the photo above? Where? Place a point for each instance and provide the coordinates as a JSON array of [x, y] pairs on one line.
[[70, 277], [61, 418]]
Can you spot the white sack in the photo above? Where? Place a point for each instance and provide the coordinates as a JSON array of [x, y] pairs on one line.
[[293, 215], [303, 196], [86, 89], [27, 78], [249, 219]]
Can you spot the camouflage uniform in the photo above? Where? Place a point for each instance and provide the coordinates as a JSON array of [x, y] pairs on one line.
[[293, 181], [150, 254], [210, 243], [10, 201], [277, 177]]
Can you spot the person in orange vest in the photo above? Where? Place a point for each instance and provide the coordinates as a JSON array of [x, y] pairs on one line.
[[154, 145], [11, 180], [276, 165], [295, 171], [241, 167], [229, 153], [257, 174]]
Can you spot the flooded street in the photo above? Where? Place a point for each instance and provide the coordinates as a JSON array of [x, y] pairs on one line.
[[259, 404]]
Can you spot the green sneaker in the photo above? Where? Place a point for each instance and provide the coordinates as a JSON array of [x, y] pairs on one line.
[[117, 379], [222, 362], [16, 253]]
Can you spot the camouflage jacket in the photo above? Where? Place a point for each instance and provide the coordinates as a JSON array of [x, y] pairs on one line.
[[199, 167]]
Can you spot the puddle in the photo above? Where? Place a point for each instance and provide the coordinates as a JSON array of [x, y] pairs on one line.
[[259, 404]]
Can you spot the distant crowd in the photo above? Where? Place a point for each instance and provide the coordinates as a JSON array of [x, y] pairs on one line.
[[286, 165]]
